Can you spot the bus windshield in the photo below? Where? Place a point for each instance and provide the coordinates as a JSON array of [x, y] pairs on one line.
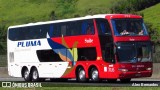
[[131, 27], [134, 52]]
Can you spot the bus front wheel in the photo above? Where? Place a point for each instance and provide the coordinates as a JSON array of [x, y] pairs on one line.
[[94, 75]]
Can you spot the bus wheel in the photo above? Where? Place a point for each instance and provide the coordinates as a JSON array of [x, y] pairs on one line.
[[125, 80], [26, 75], [35, 75], [94, 75], [81, 75]]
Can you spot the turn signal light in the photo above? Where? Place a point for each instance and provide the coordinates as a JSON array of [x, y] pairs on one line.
[[123, 69]]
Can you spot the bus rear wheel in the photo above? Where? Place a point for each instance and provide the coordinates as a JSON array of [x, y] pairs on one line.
[[35, 75], [81, 75], [26, 75], [94, 75]]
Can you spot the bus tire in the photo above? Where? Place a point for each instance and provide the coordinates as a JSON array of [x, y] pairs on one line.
[[26, 75], [125, 80], [81, 75], [94, 75], [35, 75]]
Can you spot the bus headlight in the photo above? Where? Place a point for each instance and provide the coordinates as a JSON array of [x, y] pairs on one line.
[[149, 69], [123, 69]]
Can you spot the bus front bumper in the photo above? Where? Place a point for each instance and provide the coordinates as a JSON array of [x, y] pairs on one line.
[[135, 74]]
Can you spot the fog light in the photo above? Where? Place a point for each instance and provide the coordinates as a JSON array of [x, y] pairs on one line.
[[123, 70], [149, 69]]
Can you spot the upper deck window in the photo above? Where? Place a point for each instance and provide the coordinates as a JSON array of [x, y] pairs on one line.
[[103, 27], [29, 32], [130, 27], [71, 28]]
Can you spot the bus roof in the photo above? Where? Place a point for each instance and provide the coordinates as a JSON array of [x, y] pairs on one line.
[[79, 18]]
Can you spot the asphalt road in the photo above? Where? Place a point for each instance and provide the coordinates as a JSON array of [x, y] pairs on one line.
[[72, 82]]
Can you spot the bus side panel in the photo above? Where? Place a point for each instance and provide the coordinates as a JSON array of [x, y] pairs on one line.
[[14, 68], [52, 70]]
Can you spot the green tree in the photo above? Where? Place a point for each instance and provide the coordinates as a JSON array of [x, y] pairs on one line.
[[130, 6], [64, 8], [3, 36], [153, 32], [52, 15], [3, 33]]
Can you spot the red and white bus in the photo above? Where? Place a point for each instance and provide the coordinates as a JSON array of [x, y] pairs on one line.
[[107, 46]]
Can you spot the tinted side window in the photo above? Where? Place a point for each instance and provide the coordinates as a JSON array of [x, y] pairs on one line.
[[30, 32], [108, 53], [14, 34], [73, 28], [47, 56], [103, 27], [58, 29], [88, 27], [55, 29], [85, 54]]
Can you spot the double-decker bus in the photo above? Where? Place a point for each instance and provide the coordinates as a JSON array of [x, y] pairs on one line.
[[97, 47]]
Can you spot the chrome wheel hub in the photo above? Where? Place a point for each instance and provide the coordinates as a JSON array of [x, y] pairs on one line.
[[82, 75], [26, 74], [95, 75], [35, 75]]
